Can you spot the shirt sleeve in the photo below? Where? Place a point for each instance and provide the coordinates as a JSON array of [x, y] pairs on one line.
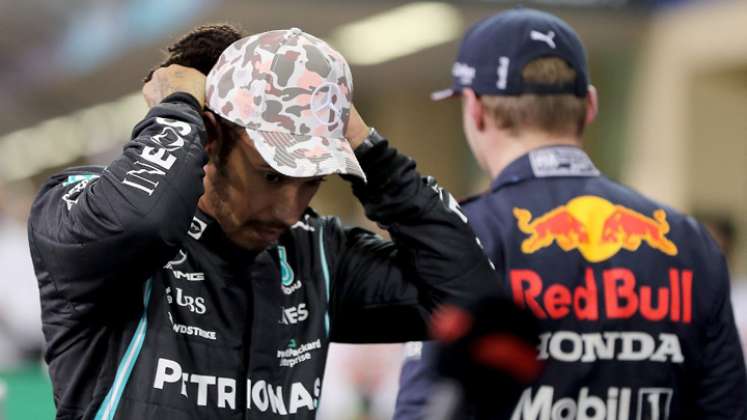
[[383, 291], [96, 232]]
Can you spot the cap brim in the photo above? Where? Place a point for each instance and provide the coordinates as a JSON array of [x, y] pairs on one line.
[[440, 95], [302, 156]]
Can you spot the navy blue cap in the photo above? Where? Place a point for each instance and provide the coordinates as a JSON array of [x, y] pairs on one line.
[[495, 50]]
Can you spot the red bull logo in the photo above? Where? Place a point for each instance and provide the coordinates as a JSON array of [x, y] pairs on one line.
[[596, 227]]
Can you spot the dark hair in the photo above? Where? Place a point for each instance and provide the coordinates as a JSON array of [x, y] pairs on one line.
[[200, 50]]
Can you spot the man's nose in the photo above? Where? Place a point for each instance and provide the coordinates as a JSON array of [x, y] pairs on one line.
[[285, 206]]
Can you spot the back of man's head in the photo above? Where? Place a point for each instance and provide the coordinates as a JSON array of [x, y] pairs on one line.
[[557, 114], [200, 48], [529, 70]]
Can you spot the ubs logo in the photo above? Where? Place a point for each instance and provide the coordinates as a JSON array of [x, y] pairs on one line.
[[193, 304]]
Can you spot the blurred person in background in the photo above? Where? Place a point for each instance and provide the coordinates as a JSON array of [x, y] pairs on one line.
[[360, 381], [189, 278], [632, 296], [21, 337]]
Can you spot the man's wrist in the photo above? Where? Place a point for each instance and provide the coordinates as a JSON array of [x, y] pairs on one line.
[[368, 142], [184, 97]]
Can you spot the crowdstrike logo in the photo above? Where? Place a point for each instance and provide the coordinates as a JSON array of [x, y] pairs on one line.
[[220, 391], [193, 331]]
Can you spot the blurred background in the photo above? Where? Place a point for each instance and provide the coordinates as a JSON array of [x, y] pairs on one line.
[[672, 78]]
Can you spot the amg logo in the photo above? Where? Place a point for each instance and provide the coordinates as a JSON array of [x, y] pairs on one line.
[[180, 258], [198, 276]]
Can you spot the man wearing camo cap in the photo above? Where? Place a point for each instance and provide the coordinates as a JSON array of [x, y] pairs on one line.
[[190, 279]]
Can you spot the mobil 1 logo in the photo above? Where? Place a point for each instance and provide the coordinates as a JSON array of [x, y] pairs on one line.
[[616, 403]]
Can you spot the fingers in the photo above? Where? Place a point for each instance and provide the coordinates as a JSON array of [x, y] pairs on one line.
[[357, 130], [150, 94]]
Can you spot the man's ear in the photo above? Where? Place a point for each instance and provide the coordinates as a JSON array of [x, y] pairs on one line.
[[474, 108], [592, 105]]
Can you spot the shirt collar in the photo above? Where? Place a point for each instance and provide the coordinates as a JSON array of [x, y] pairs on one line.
[[207, 230], [547, 162]]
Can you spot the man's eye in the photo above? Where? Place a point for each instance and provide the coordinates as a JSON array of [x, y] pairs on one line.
[[273, 177]]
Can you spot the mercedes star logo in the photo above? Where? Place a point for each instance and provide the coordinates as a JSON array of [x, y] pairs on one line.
[[326, 103]]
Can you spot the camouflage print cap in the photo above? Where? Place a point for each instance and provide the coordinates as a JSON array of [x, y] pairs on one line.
[[292, 92]]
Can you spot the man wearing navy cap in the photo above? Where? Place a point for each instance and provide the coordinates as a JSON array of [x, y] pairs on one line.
[[632, 296]]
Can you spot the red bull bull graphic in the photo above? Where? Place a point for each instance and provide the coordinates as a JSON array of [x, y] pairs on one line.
[[596, 227]]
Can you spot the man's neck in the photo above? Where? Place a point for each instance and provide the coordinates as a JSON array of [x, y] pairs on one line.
[[505, 148]]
